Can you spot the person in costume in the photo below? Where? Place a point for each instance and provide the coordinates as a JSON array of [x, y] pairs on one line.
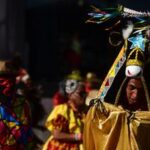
[[15, 118], [60, 96], [23, 79], [92, 84], [66, 121], [125, 122], [25, 87], [91, 81]]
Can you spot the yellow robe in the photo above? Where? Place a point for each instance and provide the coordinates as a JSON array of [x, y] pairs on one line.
[[70, 120], [116, 129]]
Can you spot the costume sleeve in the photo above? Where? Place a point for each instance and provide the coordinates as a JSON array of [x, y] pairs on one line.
[[58, 118], [23, 113], [27, 113]]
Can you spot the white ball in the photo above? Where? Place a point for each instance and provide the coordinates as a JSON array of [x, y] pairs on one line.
[[133, 71]]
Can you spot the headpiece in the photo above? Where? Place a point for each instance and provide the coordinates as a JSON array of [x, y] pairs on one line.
[[134, 66], [75, 75], [137, 26]]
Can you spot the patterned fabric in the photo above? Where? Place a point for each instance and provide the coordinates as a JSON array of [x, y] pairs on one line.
[[118, 63], [15, 131], [66, 120]]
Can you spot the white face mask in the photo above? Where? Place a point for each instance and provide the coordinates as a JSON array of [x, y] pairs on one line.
[[71, 85]]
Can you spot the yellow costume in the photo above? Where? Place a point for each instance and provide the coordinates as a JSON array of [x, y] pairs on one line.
[[126, 124], [109, 127], [66, 120]]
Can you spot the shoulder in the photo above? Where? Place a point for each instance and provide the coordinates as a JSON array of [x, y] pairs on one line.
[[60, 107], [58, 110]]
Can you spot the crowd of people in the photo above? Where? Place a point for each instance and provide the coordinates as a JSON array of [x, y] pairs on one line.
[[86, 119], [66, 121], [81, 117], [19, 104]]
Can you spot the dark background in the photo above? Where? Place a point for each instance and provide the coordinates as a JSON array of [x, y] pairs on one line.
[[43, 31], [49, 31], [50, 26]]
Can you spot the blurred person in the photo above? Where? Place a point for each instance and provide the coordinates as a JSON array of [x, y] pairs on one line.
[[23, 79], [60, 96], [15, 116], [26, 88], [32, 92], [92, 84], [91, 81], [66, 121]]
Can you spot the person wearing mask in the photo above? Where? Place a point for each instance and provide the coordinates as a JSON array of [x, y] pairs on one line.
[[60, 96], [66, 121]]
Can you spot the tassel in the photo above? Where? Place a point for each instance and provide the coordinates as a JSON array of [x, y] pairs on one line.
[[127, 31]]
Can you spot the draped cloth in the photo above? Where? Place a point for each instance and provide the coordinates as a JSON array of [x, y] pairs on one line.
[[64, 119], [110, 127]]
